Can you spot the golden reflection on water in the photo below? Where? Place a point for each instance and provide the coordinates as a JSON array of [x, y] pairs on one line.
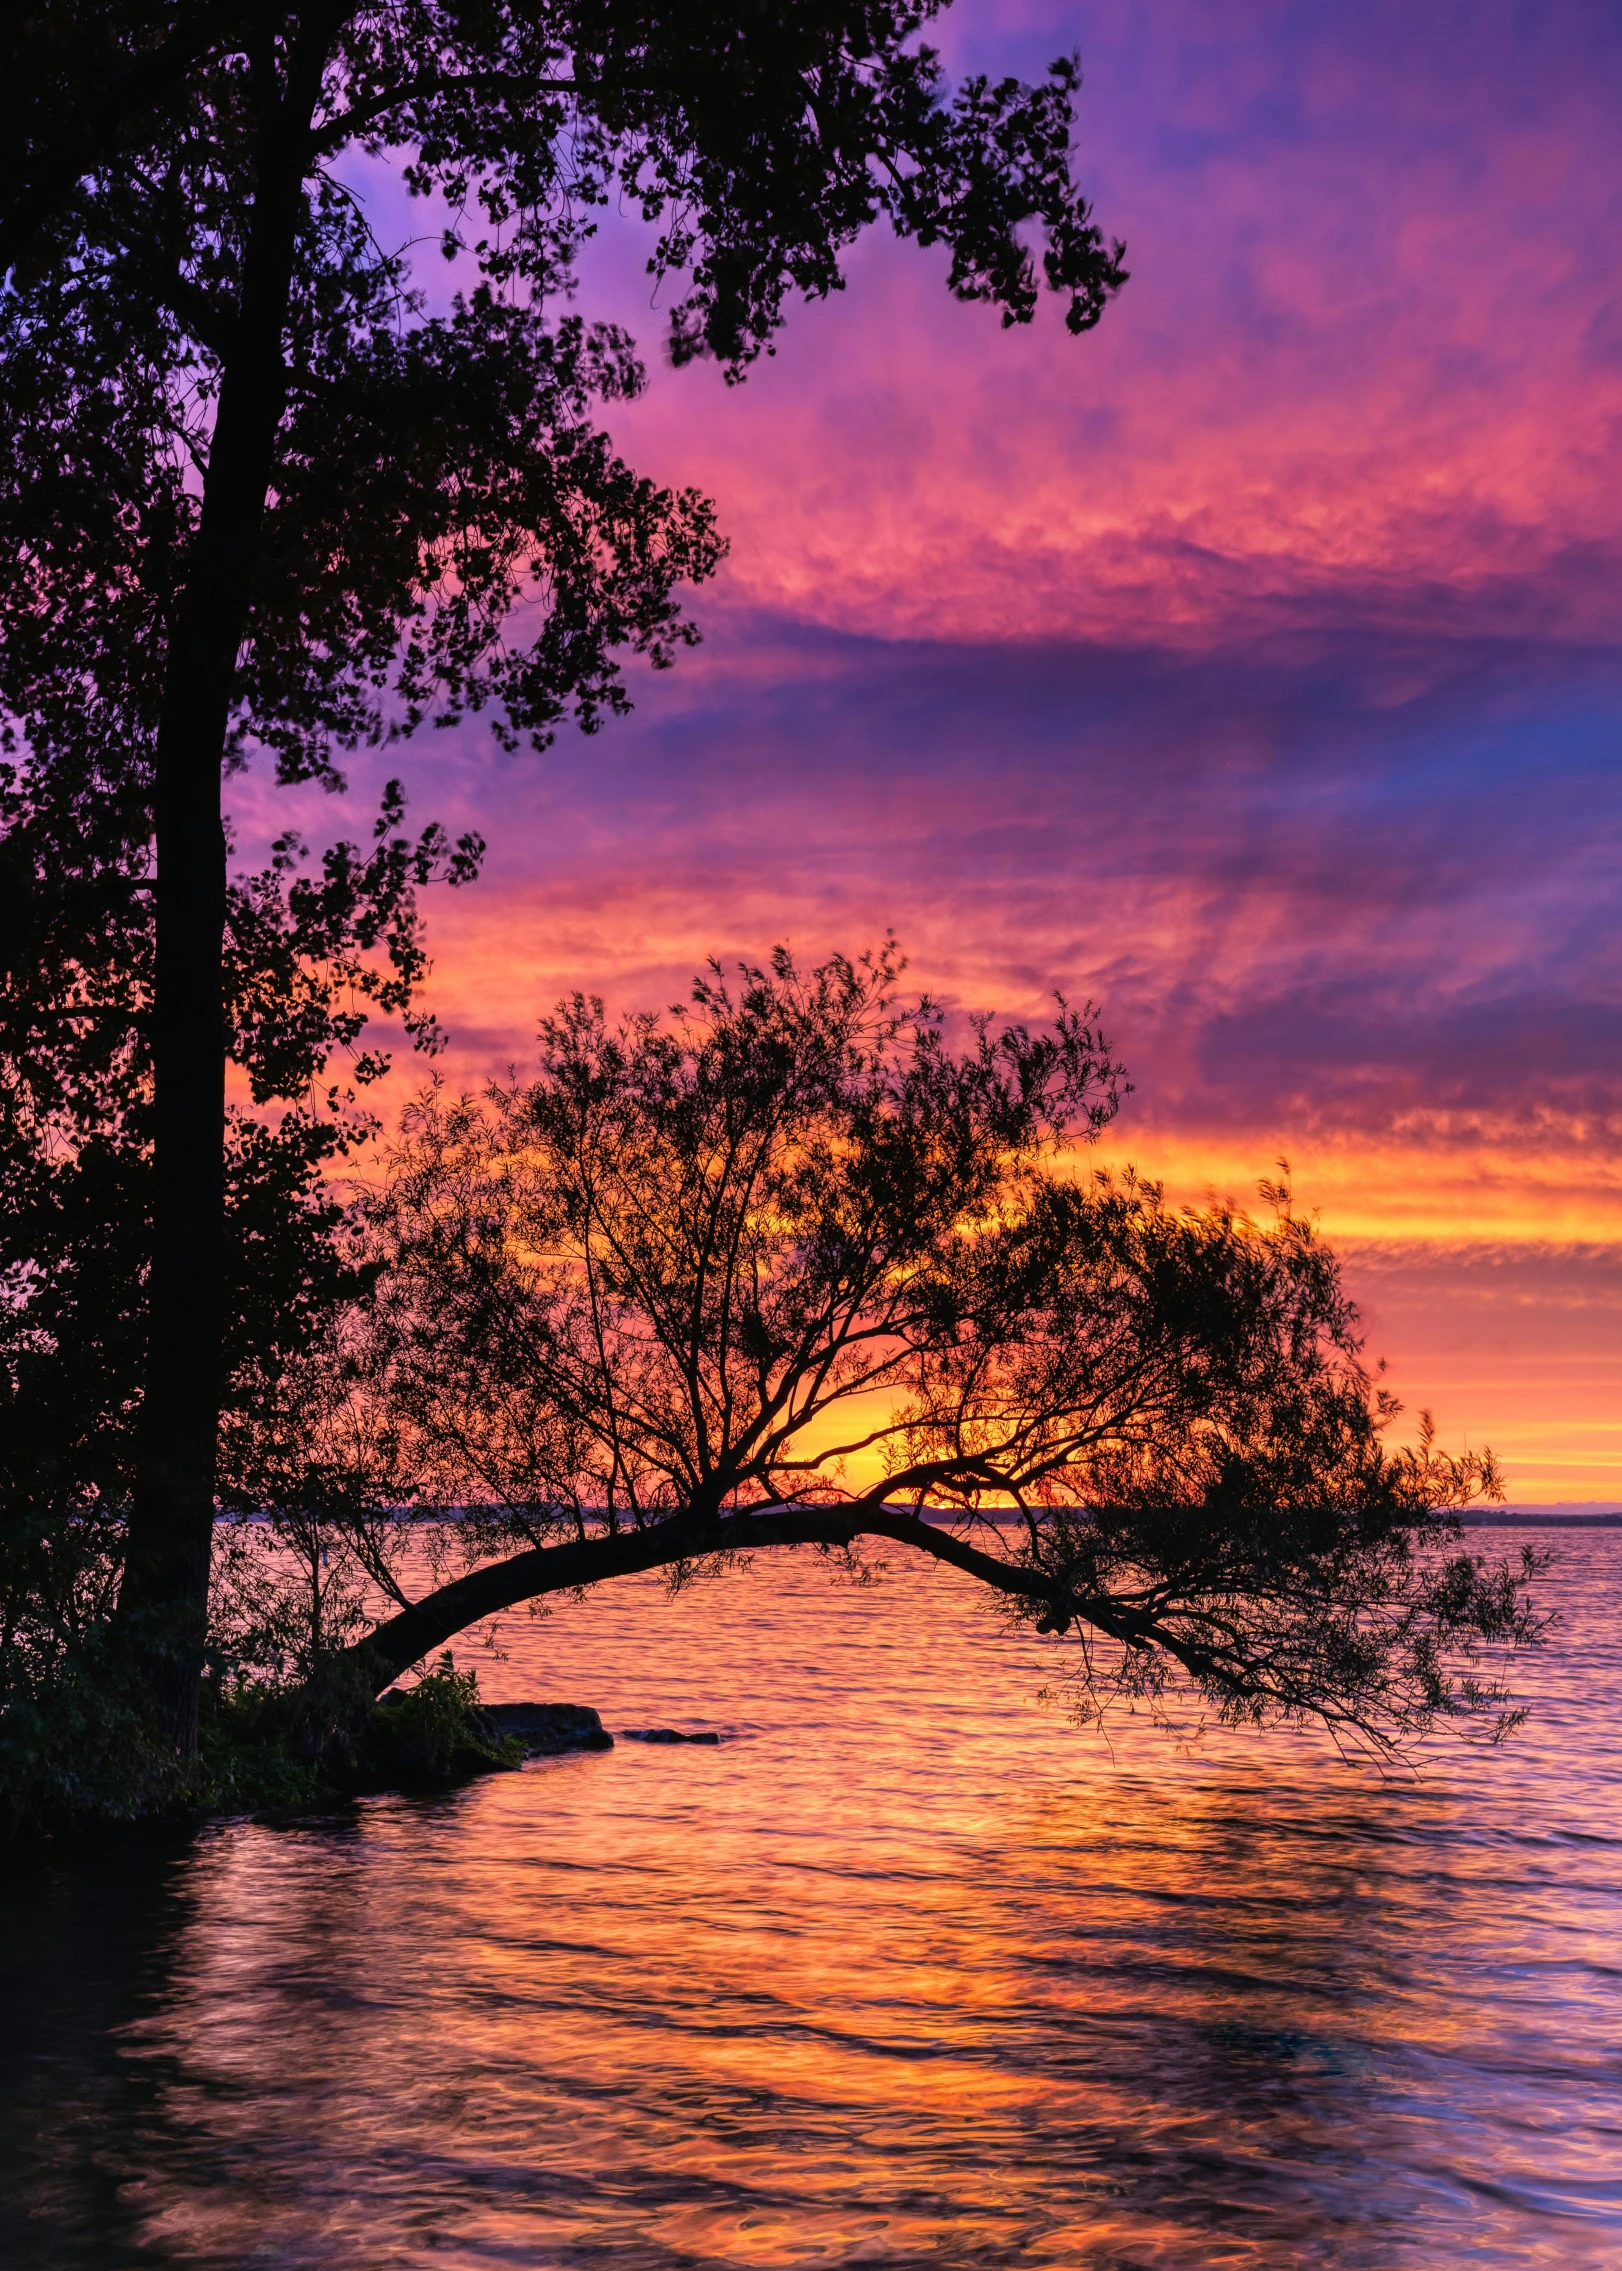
[[906, 1972]]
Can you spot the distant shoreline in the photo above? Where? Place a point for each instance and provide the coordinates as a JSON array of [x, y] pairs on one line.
[[1505, 1518], [1531, 1519]]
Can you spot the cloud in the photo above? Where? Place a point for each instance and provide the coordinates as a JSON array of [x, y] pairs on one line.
[[1253, 664], [1361, 363], [1518, 1346], [1337, 886]]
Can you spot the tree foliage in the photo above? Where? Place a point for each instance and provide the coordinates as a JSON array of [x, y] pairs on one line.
[[787, 1267], [430, 470], [305, 962]]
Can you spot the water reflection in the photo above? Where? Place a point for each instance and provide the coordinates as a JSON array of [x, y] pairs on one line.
[[85, 1952], [905, 1973]]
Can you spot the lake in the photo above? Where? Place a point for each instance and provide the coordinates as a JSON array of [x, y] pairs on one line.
[[908, 1971]]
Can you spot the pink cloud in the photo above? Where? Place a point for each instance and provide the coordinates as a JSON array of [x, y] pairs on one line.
[[1351, 361], [1249, 664]]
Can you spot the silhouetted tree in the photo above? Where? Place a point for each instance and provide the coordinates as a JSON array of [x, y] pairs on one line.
[[784, 1268], [308, 953], [257, 499]]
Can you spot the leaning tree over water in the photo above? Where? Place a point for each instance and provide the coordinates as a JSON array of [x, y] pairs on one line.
[[785, 1268]]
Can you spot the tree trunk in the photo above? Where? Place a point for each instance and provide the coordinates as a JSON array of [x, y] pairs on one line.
[[163, 1603], [406, 1639]]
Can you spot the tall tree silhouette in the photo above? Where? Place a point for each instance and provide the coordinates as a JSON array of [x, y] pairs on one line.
[[260, 501]]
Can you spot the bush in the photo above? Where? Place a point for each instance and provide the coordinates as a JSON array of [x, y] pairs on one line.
[[75, 1750], [77, 1757], [429, 1736]]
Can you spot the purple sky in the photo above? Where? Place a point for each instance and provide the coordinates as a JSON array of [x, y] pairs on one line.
[[1253, 664]]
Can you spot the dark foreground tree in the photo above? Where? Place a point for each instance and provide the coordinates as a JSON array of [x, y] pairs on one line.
[[786, 1269], [308, 955], [260, 499]]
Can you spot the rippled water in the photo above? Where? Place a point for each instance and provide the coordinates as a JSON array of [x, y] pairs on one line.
[[907, 1972]]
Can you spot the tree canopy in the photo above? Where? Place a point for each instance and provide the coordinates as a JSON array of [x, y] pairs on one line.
[[785, 1267]]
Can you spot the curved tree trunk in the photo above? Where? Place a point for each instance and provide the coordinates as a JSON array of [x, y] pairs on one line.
[[405, 1639]]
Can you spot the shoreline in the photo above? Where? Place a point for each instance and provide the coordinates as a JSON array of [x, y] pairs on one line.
[[1533, 1520]]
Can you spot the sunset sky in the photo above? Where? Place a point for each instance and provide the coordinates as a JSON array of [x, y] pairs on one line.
[[1252, 665]]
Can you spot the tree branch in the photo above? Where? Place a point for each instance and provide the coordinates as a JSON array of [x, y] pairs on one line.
[[405, 1639], [42, 186], [359, 116]]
